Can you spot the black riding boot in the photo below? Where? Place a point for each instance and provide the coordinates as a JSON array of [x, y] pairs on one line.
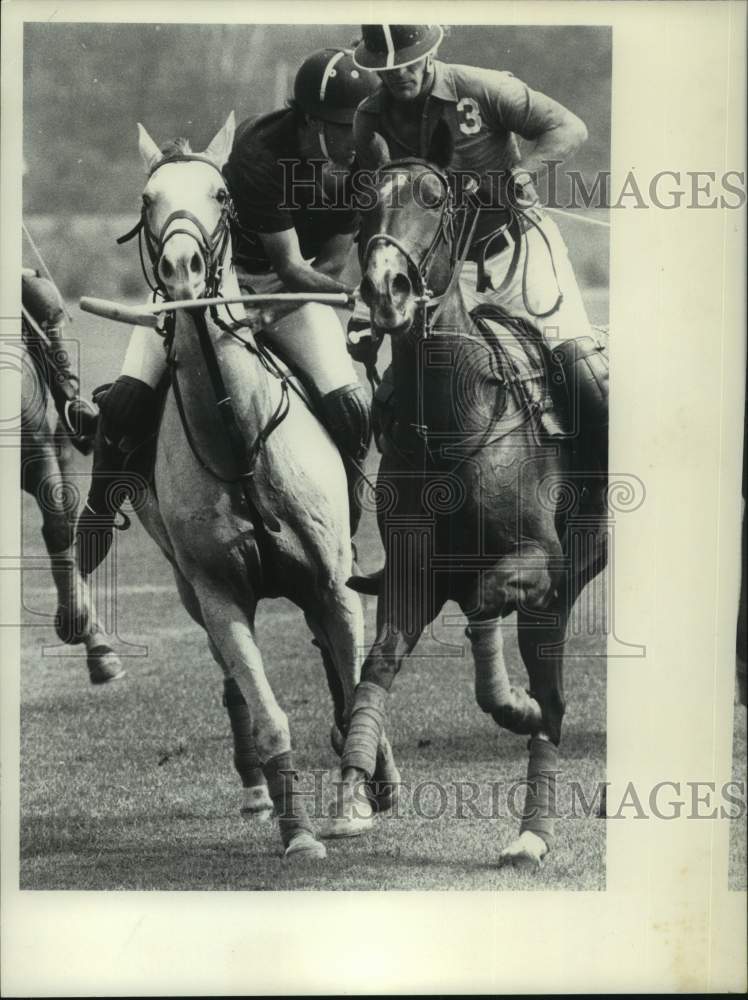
[[128, 416], [585, 368], [346, 412]]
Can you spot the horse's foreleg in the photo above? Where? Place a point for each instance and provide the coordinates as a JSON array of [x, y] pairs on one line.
[[367, 765], [510, 707], [340, 636], [231, 631], [43, 478]]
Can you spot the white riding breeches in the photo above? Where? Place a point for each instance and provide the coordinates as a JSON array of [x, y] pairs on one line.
[[541, 285], [311, 338]]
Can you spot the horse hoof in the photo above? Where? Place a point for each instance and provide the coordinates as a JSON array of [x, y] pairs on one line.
[[384, 788], [336, 829], [257, 803], [303, 846], [383, 797], [527, 851], [348, 819], [104, 665]]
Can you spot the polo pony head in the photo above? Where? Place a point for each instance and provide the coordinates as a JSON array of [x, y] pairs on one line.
[[408, 237], [185, 218]]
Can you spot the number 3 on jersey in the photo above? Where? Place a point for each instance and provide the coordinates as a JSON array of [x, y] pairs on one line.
[[470, 120]]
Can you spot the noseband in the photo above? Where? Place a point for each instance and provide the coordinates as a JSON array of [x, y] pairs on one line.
[[212, 246], [447, 232]]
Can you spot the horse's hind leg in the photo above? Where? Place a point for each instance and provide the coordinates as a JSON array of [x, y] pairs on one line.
[[338, 628], [542, 649], [231, 630], [257, 802]]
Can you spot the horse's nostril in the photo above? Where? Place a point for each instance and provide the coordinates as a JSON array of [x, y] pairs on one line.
[[196, 263], [167, 269], [401, 288]]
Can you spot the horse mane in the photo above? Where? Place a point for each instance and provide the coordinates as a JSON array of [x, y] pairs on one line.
[[176, 147]]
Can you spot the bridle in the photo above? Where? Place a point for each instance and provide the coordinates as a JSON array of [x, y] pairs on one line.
[[212, 246], [457, 235]]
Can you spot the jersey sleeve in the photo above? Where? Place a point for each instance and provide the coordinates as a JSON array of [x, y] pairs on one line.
[[517, 108]]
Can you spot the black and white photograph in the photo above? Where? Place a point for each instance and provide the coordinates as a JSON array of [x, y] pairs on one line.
[[353, 427]]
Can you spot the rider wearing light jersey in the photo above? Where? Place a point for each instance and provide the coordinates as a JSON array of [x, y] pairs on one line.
[[517, 259], [288, 176]]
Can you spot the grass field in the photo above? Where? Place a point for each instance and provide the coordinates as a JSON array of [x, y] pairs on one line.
[[131, 786]]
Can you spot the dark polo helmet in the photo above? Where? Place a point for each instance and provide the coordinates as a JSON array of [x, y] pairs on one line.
[[390, 46], [330, 86]]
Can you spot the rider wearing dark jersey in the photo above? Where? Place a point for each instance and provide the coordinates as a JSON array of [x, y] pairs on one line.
[[287, 175]]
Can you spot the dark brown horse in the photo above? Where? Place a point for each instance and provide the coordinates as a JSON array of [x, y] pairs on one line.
[[475, 500], [46, 456]]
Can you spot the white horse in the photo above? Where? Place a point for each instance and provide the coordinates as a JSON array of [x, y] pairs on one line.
[[264, 518]]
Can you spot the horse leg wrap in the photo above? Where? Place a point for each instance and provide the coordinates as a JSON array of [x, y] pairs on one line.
[[492, 687], [540, 800], [365, 728], [346, 413], [289, 808], [246, 759]]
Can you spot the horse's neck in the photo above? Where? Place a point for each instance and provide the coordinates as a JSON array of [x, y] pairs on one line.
[[245, 377]]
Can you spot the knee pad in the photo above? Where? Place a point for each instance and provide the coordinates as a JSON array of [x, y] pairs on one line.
[[346, 413], [585, 369], [42, 300]]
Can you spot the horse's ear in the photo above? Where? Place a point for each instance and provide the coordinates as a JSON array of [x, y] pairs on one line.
[[150, 154], [441, 146], [219, 149], [377, 152]]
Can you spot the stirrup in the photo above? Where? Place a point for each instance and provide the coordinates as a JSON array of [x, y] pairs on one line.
[[85, 405]]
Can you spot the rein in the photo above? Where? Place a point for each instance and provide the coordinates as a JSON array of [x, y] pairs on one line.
[[212, 246], [457, 242], [245, 459]]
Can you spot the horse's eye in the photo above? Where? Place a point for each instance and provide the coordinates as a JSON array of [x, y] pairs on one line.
[[222, 196], [146, 201]]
